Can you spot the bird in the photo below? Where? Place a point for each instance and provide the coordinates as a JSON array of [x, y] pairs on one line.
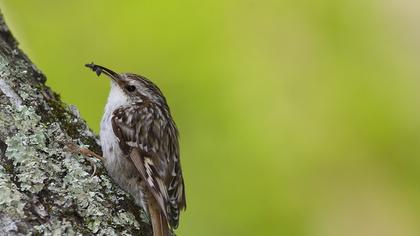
[[140, 146]]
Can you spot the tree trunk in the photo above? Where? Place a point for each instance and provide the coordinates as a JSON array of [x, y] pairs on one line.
[[44, 188]]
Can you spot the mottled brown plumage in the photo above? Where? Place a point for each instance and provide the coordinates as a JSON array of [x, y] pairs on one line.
[[140, 143]]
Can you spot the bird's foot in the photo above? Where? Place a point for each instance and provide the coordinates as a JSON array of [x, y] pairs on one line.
[[86, 153]]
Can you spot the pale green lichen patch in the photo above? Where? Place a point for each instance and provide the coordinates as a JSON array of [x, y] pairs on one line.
[[108, 231], [87, 195], [56, 227], [84, 191], [94, 225], [23, 149], [10, 198], [127, 218], [3, 62]]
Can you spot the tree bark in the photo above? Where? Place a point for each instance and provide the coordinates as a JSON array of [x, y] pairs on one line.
[[44, 188]]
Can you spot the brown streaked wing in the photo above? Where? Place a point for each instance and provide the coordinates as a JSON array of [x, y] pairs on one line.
[[148, 135]]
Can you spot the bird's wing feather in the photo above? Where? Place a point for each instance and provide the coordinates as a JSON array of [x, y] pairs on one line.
[[149, 136]]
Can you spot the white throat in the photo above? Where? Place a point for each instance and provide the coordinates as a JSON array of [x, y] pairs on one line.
[[109, 141], [116, 98]]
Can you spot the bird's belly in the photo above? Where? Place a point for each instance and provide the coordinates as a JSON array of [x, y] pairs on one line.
[[119, 166]]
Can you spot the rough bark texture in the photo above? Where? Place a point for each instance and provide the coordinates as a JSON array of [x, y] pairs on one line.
[[44, 188]]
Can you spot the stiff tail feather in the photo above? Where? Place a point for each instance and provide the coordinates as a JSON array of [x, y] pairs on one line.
[[159, 223]]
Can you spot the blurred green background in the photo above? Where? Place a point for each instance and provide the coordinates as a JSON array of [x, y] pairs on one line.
[[296, 117]]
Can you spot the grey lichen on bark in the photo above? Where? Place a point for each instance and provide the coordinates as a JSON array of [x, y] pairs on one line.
[[44, 188]]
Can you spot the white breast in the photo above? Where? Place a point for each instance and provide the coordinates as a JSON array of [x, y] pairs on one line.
[[109, 141]]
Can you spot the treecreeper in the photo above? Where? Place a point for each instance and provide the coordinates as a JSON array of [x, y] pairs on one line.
[[140, 147]]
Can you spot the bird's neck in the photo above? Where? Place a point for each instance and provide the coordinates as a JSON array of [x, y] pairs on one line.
[[116, 98]]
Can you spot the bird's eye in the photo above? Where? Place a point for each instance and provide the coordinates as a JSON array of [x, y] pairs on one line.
[[130, 88]]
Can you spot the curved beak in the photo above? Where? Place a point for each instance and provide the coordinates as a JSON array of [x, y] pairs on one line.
[[111, 74]]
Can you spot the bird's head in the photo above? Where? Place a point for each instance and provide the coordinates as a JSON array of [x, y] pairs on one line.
[[135, 87]]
